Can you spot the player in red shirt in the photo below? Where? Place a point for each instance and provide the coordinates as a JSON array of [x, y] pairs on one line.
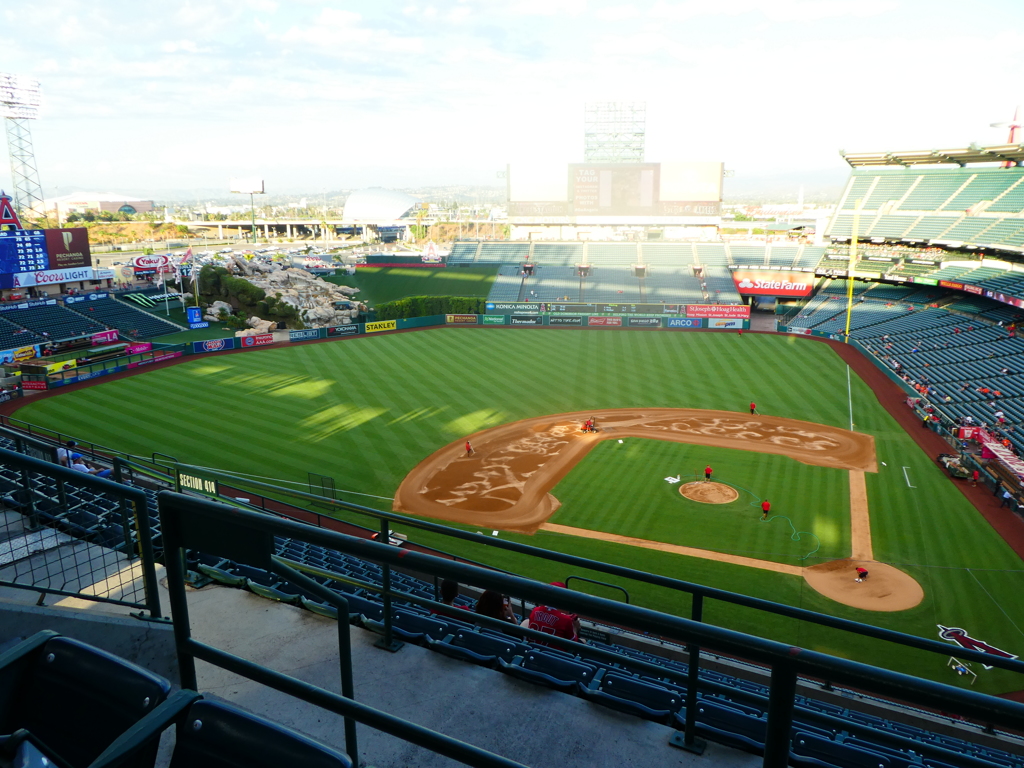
[[766, 507], [753, 407], [553, 621], [469, 448], [707, 473], [862, 573]]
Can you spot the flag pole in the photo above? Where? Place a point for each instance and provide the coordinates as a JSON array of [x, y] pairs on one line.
[[849, 271]]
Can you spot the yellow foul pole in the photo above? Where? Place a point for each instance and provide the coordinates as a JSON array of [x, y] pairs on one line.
[[849, 270]]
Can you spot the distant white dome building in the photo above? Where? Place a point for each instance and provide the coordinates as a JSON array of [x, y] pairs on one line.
[[377, 204]]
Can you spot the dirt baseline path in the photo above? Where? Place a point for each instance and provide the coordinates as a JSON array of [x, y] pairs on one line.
[[504, 483]]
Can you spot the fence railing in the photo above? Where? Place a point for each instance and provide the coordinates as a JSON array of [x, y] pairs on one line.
[[248, 537], [72, 534], [695, 594]]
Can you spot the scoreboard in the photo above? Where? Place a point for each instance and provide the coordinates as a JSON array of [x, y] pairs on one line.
[[23, 250]]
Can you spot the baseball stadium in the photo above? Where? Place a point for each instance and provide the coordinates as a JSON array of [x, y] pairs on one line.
[[778, 485]]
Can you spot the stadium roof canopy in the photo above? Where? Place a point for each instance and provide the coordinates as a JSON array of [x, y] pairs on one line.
[[1002, 153], [376, 204]]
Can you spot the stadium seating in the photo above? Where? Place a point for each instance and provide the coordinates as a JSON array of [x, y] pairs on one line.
[[622, 254], [463, 253], [503, 253], [130, 322], [13, 335], [73, 698], [54, 322]]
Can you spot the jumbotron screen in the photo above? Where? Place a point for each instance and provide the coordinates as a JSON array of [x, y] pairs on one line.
[[613, 193]]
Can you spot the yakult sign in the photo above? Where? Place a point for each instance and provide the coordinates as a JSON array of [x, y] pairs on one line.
[[792, 284], [150, 262]]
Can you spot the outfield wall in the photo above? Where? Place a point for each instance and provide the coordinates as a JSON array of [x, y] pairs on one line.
[[242, 343]]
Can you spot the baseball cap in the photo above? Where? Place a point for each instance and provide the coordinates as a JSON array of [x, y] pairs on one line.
[[76, 455], [558, 584]]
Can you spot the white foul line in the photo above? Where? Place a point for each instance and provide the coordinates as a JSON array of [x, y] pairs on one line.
[[849, 395], [907, 478]]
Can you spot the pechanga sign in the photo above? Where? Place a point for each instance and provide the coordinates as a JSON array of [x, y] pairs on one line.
[[755, 283], [460, 319]]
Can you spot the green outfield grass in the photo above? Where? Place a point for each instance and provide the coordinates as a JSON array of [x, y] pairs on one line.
[[379, 284], [809, 521], [365, 411]]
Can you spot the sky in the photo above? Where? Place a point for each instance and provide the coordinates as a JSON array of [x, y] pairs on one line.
[[316, 96]]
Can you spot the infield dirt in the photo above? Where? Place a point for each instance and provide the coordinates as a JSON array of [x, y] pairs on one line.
[[505, 482]]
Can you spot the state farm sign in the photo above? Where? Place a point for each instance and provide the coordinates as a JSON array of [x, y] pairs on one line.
[[795, 284], [150, 262]]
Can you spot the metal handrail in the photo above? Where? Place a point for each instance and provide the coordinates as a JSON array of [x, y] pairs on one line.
[[695, 590], [136, 507], [248, 537]]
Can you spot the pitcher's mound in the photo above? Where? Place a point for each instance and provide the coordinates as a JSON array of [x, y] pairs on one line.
[[709, 493], [886, 588]]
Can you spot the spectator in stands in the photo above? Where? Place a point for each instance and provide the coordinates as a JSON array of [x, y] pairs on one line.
[[555, 622], [495, 605], [78, 464], [64, 454], [449, 591]]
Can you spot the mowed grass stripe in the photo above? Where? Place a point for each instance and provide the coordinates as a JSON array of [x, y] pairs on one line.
[[366, 411]]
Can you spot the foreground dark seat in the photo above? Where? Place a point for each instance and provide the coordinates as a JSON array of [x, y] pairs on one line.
[[214, 735], [72, 698]]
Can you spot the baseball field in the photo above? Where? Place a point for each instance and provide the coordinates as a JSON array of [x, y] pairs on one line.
[[388, 417]]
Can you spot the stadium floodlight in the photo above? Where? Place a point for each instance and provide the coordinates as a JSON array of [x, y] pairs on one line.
[[19, 97], [249, 186], [19, 102]]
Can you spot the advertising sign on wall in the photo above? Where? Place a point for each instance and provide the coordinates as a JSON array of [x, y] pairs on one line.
[[68, 248], [134, 349], [212, 345], [460, 319], [526, 320], [33, 385], [259, 340], [722, 323], [494, 319], [19, 355], [685, 322], [342, 330], [304, 335], [103, 337], [718, 310], [492, 306], [757, 283], [151, 262], [604, 321], [382, 325], [87, 297], [46, 277], [643, 322], [556, 320]]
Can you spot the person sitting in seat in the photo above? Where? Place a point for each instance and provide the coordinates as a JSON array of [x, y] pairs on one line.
[[495, 605], [78, 464], [555, 622]]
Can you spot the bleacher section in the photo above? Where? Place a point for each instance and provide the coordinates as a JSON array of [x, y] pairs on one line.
[[130, 322], [507, 284], [54, 322], [621, 254], [973, 205], [673, 286], [502, 253], [13, 336], [611, 284]]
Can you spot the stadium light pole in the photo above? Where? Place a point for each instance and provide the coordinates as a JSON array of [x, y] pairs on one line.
[[849, 269]]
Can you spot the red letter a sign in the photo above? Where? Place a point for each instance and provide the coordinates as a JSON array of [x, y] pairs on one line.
[[7, 214]]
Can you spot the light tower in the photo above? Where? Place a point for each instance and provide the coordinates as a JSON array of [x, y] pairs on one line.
[[19, 103], [614, 132], [1016, 127]]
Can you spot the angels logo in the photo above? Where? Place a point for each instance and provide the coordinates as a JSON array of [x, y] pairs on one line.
[[962, 638], [215, 345]]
